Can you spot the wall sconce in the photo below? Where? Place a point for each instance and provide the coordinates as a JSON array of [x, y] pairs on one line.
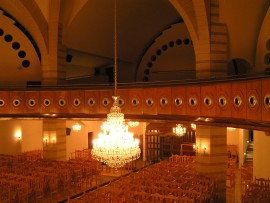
[[45, 140], [53, 140], [49, 140], [204, 148], [18, 135]]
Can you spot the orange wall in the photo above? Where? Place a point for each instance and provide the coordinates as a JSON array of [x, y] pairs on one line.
[[9, 144], [32, 131]]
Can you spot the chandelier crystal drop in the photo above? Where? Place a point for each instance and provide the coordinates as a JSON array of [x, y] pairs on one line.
[[179, 130], [115, 145]]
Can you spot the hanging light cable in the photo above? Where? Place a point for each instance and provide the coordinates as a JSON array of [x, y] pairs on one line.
[[115, 145]]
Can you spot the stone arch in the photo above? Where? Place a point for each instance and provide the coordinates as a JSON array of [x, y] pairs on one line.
[[187, 12], [196, 15], [210, 41], [30, 14]]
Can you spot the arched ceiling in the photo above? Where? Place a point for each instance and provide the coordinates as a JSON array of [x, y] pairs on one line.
[[138, 23]]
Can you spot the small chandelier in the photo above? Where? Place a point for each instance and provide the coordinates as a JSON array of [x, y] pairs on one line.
[[115, 145], [179, 130], [76, 127], [133, 124], [193, 126]]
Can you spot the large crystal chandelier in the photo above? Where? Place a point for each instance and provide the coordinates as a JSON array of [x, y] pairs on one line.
[[115, 145], [179, 130]]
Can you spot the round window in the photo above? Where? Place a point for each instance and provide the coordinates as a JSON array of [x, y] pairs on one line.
[[2, 102], [267, 101], [62, 102], [163, 101], [121, 102], [105, 101], [178, 101], [149, 102], [76, 102], [31, 102], [47, 102], [91, 102], [237, 101], [252, 100], [207, 101], [135, 101], [192, 101], [16, 102], [222, 101]]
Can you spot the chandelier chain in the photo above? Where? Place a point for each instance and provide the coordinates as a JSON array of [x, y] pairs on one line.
[[115, 51]]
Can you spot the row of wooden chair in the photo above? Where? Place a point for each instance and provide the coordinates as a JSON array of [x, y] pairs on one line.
[[167, 181], [257, 191], [44, 179]]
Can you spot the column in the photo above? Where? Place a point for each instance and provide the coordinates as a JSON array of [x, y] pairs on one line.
[[211, 158], [54, 139], [261, 163]]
